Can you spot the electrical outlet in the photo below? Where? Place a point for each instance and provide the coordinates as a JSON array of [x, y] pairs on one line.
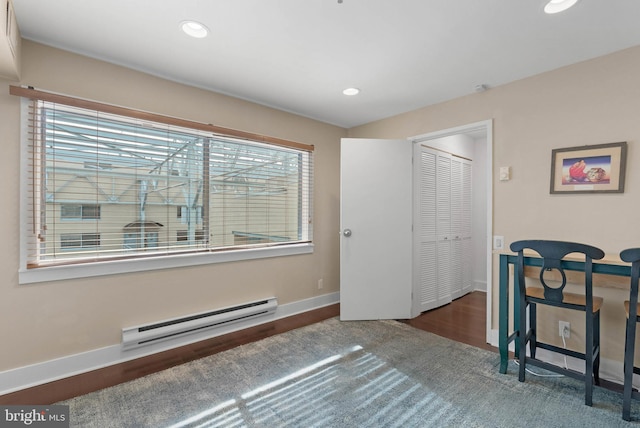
[[320, 284], [564, 329], [498, 242]]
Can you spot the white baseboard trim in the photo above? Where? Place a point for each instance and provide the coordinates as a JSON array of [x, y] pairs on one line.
[[493, 339], [610, 370], [60, 368], [480, 285]]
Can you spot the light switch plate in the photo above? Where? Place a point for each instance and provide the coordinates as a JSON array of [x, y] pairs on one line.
[[498, 242], [505, 173]]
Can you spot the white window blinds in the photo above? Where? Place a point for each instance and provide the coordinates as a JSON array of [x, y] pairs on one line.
[[104, 185]]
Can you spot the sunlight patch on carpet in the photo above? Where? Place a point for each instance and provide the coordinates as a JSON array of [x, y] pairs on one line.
[[304, 394]]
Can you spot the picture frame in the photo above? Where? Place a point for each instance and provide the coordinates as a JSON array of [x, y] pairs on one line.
[[589, 169]]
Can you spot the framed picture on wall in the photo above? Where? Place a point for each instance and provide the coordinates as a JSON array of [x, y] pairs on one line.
[[589, 169]]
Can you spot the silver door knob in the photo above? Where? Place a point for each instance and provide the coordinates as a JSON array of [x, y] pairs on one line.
[[347, 232]]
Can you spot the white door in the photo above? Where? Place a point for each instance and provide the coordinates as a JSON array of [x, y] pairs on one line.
[[376, 236]]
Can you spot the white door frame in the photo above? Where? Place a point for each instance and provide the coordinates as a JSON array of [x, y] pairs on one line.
[[485, 126]]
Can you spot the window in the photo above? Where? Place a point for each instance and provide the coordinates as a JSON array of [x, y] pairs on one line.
[[183, 235], [140, 236], [75, 241], [186, 210], [140, 241], [150, 185], [79, 212]]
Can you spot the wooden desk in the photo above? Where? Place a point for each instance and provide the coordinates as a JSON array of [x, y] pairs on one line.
[[610, 265]]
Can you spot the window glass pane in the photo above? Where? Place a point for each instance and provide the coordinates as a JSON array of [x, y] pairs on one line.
[[71, 211], [71, 240], [90, 211], [90, 240]]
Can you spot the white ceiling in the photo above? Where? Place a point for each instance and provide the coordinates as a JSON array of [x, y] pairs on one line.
[[298, 55]]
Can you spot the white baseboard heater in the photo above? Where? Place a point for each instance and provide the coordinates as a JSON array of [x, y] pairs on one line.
[[133, 337]]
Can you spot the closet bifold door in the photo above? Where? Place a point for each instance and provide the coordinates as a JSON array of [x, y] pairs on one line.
[[442, 221], [461, 205]]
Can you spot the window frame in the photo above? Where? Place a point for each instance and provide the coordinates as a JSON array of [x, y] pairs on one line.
[[88, 268]]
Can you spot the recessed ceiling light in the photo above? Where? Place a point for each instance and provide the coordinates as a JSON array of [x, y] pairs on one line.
[[555, 6], [194, 29], [351, 91]]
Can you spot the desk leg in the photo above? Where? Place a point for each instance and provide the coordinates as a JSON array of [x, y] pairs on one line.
[[503, 314]]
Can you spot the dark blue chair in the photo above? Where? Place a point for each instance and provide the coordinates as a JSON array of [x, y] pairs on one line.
[[631, 255], [551, 273]]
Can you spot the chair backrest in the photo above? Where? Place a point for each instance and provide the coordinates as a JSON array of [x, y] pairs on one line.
[[632, 255], [552, 253]]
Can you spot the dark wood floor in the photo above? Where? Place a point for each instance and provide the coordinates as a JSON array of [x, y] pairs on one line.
[[463, 320]]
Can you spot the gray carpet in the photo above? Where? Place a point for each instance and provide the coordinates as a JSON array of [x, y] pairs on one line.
[[347, 374]]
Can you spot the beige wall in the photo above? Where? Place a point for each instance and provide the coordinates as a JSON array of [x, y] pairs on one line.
[[44, 321], [594, 102]]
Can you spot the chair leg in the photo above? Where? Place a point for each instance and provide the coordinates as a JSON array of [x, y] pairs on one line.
[[533, 326], [596, 347], [588, 391], [588, 373], [629, 348], [522, 336]]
